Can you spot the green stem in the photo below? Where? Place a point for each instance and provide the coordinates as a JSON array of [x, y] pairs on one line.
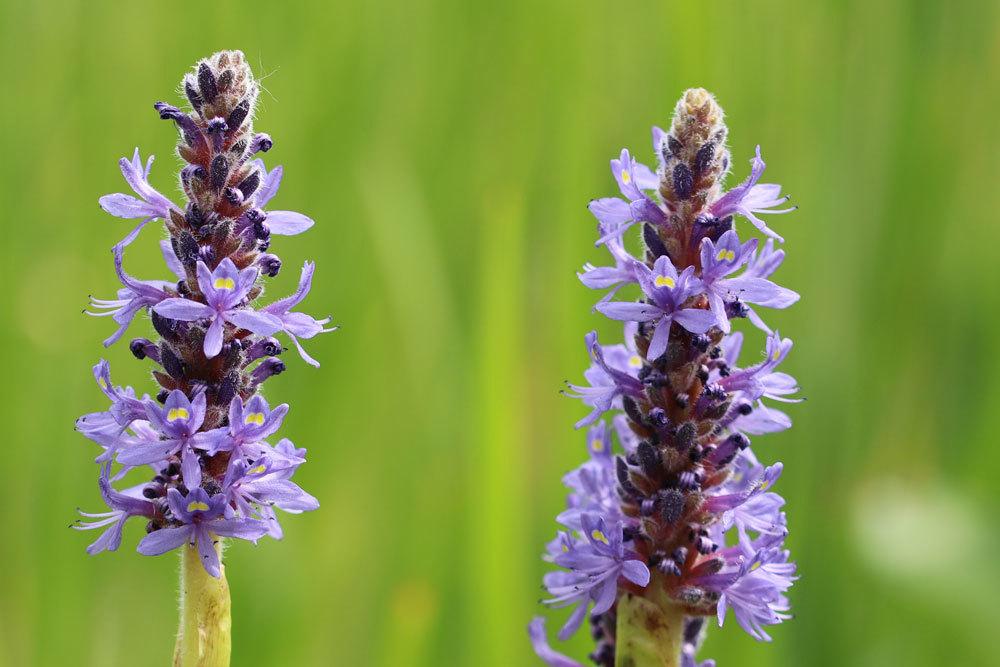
[[650, 630], [204, 633]]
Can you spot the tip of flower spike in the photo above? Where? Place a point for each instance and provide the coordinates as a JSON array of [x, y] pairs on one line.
[[697, 117]]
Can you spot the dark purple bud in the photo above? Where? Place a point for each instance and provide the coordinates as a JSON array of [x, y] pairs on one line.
[[227, 388], [250, 184], [621, 469], [172, 470], [670, 505], [269, 265], [219, 171], [653, 242], [166, 328], [692, 629], [238, 114], [168, 111], [233, 195], [702, 373], [207, 83], [715, 352], [715, 392], [194, 216], [632, 410], [261, 143], [261, 230], [669, 568], [153, 491], [162, 395], [225, 80], [685, 435], [658, 417], [206, 253], [688, 481], [744, 409], [151, 526], [264, 347], [267, 368], [696, 453], [700, 342], [675, 147], [217, 132], [255, 216], [143, 347], [171, 362], [193, 97], [683, 181], [705, 546], [703, 158], [682, 401], [649, 458], [647, 507]]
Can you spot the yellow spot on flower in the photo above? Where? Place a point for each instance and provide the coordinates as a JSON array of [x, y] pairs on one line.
[[664, 281], [598, 445], [635, 361], [725, 255], [256, 471], [197, 505], [565, 548], [224, 283], [776, 355], [102, 382], [626, 177], [177, 413], [254, 418], [599, 536]]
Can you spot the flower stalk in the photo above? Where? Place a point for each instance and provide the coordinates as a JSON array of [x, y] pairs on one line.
[[205, 630], [206, 434], [671, 519]]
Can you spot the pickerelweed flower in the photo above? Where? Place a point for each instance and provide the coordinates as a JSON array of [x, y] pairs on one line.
[[204, 437], [682, 523]]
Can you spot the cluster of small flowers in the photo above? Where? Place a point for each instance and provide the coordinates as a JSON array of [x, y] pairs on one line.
[[204, 435], [659, 514]]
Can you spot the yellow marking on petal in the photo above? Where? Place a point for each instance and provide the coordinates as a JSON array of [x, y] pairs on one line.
[[102, 383], [224, 283], [776, 355], [177, 413], [254, 418], [197, 505], [598, 446], [664, 281], [599, 536], [725, 255], [626, 177], [565, 548], [635, 361], [256, 471]]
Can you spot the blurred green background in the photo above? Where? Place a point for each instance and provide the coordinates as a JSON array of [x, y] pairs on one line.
[[447, 151]]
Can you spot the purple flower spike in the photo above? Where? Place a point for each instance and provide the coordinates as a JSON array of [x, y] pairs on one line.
[[208, 435], [682, 514], [225, 289]]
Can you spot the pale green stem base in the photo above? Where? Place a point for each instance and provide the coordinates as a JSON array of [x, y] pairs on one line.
[[650, 630], [204, 633]]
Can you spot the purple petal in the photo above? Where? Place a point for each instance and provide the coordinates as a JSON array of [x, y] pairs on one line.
[[288, 223], [264, 324], [183, 309], [163, 540]]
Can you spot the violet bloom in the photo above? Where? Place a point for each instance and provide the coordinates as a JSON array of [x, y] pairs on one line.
[[298, 325], [282, 223], [611, 375], [202, 521], [617, 215], [248, 424], [687, 522], [259, 488], [133, 297], [225, 289], [178, 423], [750, 197], [667, 291], [594, 564], [124, 505], [720, 259], [150, 205]]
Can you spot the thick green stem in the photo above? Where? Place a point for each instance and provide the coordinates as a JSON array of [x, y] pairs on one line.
[[204, 633], [650, 630]]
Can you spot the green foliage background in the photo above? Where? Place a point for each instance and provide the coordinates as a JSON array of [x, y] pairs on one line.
[[447, 150]]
